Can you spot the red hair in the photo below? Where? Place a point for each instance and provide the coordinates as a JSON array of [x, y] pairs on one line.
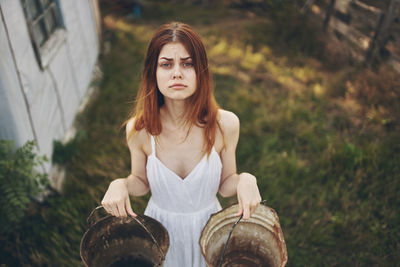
[[202, 107]]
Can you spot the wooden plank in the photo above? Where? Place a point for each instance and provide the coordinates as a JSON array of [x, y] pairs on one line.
[[359, 39], [369, 8]]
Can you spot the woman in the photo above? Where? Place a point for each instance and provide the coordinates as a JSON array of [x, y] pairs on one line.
[[182, 146]]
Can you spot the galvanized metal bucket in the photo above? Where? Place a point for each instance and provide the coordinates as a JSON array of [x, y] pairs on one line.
[[257, 242], [116, 242]]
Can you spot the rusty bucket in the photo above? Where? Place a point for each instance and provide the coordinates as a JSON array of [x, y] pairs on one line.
[[115, 242], [228, 241]]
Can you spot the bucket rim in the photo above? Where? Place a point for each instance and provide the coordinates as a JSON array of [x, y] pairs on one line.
[[283, 249], [89, 228], [111, 217]]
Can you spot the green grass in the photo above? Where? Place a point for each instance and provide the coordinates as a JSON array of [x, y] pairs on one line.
[[324, 161]]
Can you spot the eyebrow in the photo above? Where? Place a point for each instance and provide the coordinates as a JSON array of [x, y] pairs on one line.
[[170, 59]]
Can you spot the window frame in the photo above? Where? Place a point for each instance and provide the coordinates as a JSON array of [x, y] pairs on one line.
[[53, 37]]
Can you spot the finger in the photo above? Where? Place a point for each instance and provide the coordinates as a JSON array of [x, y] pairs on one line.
[[253, 208], [129, 208], [106, 208], [121, 209], [246, 212], [114, 210], [240, 209]]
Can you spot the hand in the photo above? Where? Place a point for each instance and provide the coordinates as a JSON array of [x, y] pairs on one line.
[[248, 195], [116, 200]]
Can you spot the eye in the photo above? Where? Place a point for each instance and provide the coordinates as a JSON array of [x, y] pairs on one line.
[[188, 64], [165, 65]]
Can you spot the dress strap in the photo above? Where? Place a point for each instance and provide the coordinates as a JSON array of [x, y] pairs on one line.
[[153, 145]]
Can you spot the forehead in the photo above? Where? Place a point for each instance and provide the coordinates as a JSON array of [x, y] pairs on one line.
[[171, 50]]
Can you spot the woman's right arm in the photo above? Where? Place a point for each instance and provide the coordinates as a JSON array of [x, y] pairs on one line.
[[116, 199]]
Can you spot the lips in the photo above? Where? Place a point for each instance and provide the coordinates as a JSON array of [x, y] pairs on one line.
[[178, 85]]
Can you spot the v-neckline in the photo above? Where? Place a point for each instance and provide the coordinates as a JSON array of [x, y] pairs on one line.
[[178, 176]]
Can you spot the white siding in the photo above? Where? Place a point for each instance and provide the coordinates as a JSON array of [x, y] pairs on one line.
[[82, 39], [14, 120], [55, 93], [69, 95]]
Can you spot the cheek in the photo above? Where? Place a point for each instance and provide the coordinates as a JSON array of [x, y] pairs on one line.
[[157, 78], [191, 75], [160, 78], [194, 79]]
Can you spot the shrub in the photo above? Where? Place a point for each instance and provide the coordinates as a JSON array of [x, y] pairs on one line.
[[20, 182]]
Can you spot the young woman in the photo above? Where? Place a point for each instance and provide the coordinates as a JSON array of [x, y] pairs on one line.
[[182, 146]]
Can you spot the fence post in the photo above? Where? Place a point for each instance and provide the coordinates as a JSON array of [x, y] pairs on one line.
[[382, 31], [328, 15]]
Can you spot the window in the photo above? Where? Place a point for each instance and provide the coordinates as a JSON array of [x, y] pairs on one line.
[[45, 27]]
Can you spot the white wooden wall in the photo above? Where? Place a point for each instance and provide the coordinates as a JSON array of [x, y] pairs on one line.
[[53, 94]]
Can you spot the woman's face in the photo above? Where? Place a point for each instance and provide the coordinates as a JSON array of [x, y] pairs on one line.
[[176, 77]]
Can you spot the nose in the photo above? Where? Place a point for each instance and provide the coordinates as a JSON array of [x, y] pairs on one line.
[[177, 74]]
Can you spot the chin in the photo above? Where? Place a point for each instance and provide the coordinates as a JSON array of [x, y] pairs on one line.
[[179, 96]]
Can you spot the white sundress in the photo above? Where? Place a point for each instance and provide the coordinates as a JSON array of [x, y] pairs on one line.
[[183, 206]]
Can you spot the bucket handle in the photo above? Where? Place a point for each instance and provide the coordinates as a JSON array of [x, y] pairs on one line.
[[221, 259], [90, 222]]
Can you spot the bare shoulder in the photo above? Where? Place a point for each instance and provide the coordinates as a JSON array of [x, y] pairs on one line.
[[229, 122], [137, 139]]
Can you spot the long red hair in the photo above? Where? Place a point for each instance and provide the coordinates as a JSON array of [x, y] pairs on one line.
[[202, 108]]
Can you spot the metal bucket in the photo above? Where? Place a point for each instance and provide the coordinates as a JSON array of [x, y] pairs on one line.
[[255, 242], [117, 242]]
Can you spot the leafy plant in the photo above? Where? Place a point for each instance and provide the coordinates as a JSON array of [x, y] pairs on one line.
[[20, 181]]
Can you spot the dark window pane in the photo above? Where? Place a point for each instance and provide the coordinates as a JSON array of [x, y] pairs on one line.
[[32, 8], [43, 19], [39, 32], [50, 20]]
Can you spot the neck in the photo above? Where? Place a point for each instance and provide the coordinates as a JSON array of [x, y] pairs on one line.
[[174, 111]]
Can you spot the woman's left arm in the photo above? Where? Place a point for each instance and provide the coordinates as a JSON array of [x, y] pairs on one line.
[[244, 184]]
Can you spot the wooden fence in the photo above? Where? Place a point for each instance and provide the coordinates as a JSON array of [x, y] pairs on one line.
[[370, 29]]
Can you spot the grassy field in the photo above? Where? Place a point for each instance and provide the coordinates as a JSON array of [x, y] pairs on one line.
[[321, 136]]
